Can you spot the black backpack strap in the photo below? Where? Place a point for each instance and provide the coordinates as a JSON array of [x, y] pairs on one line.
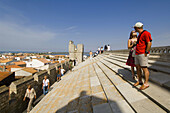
[[140, 36]]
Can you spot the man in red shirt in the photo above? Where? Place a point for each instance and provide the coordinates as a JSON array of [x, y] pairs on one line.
[[143, 46]]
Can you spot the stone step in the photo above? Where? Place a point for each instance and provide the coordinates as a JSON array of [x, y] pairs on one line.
[[155, 67], [126, 55], [152, 62], [154, 92], [98, 96], [72, 104], [156, 57], [115, 100], [160, 78], [102, 108], [135, 98]]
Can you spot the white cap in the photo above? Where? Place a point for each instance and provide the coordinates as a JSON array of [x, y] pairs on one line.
[[138, 24]]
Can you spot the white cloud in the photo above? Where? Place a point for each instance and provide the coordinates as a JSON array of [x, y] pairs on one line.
[[11, 14], [18, 33], [71, 28], [15, 36]]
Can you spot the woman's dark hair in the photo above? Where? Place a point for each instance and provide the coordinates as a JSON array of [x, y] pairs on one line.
[[131, 35]]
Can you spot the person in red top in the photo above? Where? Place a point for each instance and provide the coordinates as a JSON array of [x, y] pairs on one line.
[[143, 46]]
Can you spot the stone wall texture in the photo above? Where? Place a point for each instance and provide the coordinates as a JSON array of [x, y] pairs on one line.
[[4, 97]]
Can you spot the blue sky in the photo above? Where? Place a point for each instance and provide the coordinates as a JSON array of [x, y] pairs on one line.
[[48, 25]]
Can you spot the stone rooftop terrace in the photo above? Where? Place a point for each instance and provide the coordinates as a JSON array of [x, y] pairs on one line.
[[104, 84]]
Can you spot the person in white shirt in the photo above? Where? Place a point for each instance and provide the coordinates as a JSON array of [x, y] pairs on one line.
[[30, 95], [62, 71], [45, 85], [108, 47], [91, 54]]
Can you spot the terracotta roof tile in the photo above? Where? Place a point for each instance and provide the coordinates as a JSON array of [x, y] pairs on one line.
[[43, 60], [8, 67], [11, 66], [3, 75], [5, 60], [60, 55], [55, 61], [19, 63]]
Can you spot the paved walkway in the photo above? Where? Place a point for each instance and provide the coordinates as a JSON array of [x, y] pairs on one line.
[[99, 86]]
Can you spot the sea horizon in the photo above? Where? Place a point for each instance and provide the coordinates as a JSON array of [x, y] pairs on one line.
[[47, 53]]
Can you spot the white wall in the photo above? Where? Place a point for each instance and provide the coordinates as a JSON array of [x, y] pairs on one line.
[[17, 58], [51, 56], [22, 73], [45, 67], [27, 57], [2, 64], [15, 69], [33, 56], [34, 63]]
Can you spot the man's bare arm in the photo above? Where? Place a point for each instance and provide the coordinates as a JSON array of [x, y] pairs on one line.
[[149, 44]]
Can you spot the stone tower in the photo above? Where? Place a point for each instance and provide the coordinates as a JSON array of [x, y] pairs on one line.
[[80, 52], [76, 52], [72, 50]]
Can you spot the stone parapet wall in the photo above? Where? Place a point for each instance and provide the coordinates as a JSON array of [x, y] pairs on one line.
[[161, 50], [4, 97], [154, 50], [17, 92], [156, 53], [38, 78], [12, 98]]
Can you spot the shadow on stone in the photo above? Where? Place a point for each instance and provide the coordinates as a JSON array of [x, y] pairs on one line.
[[126, 74], [89, 104]]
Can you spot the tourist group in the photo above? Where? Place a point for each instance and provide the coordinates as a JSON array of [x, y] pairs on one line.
[[100, 50]]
